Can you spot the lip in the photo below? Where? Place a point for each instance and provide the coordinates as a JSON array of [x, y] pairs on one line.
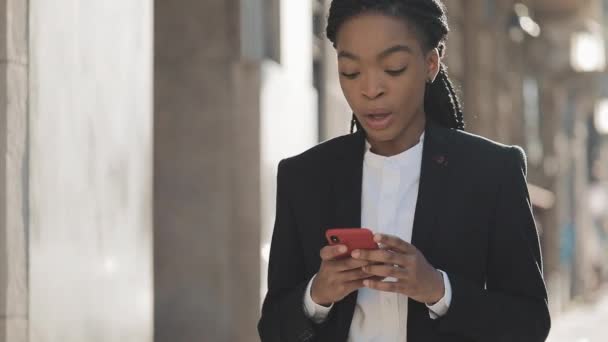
[[376, 124], [377, 111]]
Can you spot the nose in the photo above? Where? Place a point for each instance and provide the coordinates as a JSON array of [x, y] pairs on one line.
[[372, 87]]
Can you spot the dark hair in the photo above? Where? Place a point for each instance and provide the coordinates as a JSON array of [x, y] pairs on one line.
[[430, 22]]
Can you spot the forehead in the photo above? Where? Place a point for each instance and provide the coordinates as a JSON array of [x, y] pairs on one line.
[[370, 33]]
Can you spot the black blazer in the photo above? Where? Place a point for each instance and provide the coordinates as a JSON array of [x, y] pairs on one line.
[[473, 220]]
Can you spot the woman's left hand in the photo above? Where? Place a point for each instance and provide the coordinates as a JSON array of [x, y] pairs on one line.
[[415, 277]]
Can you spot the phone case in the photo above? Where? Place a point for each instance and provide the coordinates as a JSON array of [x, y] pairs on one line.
[[352, 238]]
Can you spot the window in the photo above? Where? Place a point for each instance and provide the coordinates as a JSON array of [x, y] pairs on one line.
[[261, 30], [489, 9], [532, 120]]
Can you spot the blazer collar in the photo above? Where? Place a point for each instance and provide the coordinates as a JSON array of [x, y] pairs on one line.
[[347, 183]]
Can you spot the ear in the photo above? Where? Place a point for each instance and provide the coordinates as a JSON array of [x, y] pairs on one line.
[[432, 61]]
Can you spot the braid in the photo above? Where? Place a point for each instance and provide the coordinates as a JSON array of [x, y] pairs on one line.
[[457, 106], [441, 102], [355, 123]]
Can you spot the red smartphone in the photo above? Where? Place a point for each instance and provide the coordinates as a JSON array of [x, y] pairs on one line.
[[352, 238]]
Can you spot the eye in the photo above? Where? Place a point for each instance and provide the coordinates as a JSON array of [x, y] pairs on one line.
[[396, 72], [350, 76]]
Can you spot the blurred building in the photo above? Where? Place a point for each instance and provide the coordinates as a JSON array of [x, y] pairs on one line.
[[530, 75]]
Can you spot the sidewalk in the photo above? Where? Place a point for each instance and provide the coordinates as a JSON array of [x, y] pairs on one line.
[[587, 323]]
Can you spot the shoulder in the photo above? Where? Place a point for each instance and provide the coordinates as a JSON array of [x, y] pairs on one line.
[[322, 155], [481, 151]]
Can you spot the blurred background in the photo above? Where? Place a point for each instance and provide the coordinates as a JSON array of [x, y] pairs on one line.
[[140, 141]]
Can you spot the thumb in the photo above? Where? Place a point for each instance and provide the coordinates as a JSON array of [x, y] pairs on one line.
[[331, 252]]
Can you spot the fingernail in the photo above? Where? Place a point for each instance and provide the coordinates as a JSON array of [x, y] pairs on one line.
[[342, 249], [356, 254]]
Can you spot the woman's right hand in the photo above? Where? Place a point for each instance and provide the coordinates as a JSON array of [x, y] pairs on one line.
[[338, 276]]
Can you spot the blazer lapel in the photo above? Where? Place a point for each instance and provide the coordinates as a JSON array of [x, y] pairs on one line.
[[431, 189], [431, 203], [347, 184], [347, 214]]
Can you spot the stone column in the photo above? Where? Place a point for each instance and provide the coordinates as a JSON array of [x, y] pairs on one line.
[[472, 75], [89, 143], [207, 173], [335, 113], [13, 171]]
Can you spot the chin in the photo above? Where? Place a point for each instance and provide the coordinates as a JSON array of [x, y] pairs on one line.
[[384, 135]]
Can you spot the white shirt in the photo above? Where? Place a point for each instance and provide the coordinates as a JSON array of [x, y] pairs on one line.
[[389, 195]]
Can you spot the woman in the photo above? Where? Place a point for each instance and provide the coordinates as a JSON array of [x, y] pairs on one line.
[[460, 257]]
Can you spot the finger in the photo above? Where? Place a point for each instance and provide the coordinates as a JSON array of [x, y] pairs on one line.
[[385, 286], [331, 252], [345, 264], [357, 274], [407, 260], [386, 271], [394, 242], [380, 255], [376, 278], [353, 285], [350, 264]]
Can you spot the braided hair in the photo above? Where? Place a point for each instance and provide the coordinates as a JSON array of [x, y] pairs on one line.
[[429, 19]]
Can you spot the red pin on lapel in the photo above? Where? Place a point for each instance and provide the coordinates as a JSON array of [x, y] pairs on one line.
[[441, 160]]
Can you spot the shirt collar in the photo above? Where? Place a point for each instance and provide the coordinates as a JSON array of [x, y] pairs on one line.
[[403, 159]]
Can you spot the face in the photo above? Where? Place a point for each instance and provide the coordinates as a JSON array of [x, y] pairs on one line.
[[383, 74]]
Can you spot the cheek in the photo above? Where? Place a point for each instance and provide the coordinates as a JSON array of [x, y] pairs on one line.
[[408, 94], [349, 89]]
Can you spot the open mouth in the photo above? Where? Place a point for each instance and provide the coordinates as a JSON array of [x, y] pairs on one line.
[[379, 121]]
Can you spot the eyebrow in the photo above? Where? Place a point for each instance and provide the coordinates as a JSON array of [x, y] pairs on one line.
[[381, 55]]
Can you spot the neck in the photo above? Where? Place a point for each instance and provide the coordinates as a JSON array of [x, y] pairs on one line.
[[406, 139]]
